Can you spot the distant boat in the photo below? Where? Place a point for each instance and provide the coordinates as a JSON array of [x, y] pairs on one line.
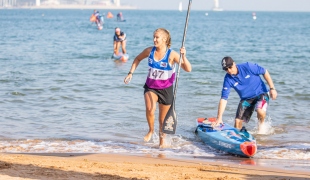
[[180, 6], [254, 15], [216, 6]]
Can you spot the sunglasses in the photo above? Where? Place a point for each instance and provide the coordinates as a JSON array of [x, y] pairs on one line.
[[226, 68]]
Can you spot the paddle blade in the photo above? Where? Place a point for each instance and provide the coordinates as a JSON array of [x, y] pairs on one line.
[[170, 121]]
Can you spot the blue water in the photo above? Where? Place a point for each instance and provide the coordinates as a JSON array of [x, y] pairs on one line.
[[61, 92]]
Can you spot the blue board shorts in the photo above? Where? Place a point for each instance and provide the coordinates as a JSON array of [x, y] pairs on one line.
[[246, 107], [165, 96]]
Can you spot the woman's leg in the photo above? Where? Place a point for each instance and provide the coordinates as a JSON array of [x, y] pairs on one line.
[[163, 109], [150, 106], [124, 46], [117, 48]]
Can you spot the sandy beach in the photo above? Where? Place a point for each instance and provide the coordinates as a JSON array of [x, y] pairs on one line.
[[67, 114], [115, 166]]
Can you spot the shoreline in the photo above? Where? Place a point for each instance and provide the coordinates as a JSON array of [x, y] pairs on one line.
[[124, 166]]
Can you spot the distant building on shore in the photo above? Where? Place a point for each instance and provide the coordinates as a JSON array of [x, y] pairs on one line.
[[84, 4], [8, 3]]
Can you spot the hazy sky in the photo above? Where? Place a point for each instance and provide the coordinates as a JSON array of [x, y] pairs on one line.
[[242, 5]]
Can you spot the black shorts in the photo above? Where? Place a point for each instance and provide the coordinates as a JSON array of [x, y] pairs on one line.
[[165, 96], [246, 107]]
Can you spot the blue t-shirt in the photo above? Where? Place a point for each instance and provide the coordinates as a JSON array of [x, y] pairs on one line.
[[247, 83]]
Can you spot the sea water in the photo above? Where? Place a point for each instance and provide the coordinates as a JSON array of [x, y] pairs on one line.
[[62, 93]]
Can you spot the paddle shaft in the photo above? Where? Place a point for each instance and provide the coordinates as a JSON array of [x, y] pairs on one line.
[[180, 62], [170, 121]]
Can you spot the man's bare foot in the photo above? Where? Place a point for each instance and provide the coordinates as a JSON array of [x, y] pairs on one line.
[[148, 137], [262, 128]]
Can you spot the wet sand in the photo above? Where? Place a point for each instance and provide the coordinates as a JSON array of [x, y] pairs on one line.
[[116, 166]]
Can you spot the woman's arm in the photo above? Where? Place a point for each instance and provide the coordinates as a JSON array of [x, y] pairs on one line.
[[115, 47], [144, 54], [186, 65]]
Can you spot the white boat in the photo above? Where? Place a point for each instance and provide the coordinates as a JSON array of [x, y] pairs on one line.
[[180, 6], [216, 6], [254, 15]]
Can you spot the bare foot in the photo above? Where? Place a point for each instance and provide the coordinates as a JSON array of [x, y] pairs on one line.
[[162, 140], [148, 137], [162, 146]]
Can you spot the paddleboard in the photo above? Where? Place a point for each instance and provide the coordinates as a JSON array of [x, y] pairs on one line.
[[121, 57], [100, 26], [226, 138]]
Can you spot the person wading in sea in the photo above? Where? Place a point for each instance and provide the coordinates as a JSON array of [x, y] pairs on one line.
[[160, 78], [245, 79], [119, 39]]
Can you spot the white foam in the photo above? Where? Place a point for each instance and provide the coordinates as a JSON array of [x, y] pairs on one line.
[[264, 128], [292, 152], [177, 146]]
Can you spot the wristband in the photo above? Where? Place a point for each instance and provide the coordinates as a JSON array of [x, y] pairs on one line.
[[129, 72], [272, 89]]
